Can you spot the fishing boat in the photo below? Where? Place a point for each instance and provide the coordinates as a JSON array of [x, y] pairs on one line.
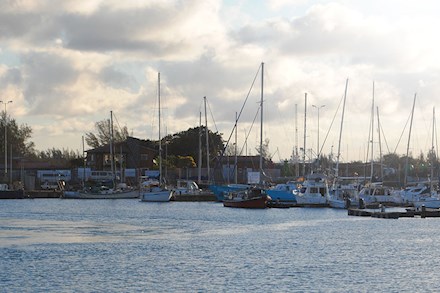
[[314, 191], [252, 198], [149, 189]]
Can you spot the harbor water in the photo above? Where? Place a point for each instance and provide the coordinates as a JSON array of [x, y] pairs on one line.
[[60, 245]]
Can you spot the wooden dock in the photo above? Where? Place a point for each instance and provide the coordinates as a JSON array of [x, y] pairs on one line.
[[384, 214]]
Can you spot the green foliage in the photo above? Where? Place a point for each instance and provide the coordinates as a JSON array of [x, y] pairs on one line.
[[185, 162], [65, 156], [103, 134], [186, 143], [17, 135]]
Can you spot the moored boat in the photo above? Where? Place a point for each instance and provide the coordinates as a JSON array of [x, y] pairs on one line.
[[6, 193], [376, 193], [102, 192], [343, 196], [284, 192], [252, 198], [221, 191], [314, 191], [150, 190]]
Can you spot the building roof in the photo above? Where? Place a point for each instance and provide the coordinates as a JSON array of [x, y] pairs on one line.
[[126, 146]]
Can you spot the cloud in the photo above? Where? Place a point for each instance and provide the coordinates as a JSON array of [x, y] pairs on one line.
[[77, 60]]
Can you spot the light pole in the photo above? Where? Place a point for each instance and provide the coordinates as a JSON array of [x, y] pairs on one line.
[[318, 107], [6, 138]]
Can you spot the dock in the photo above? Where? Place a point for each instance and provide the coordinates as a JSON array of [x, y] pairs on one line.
[[43, 194], [384, 214], [203, 196]]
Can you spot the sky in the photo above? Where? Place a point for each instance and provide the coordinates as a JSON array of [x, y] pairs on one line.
[[66, 66]]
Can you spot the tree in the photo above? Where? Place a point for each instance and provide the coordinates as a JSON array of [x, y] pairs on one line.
[[186, 143], [65, 157], [17, 135], [103, 134], [264, 150]]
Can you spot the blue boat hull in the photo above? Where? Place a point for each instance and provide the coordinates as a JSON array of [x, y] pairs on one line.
[[281, 195], [220, 191]]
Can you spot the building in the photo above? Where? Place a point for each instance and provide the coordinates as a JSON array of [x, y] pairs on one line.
[[133, 153]]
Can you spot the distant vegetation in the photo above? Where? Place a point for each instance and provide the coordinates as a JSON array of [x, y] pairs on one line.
[[182, 150]]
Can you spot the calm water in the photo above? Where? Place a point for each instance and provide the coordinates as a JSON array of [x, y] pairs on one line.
[[55, 245]]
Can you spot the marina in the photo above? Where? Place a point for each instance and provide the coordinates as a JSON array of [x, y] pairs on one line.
[[122, 245]]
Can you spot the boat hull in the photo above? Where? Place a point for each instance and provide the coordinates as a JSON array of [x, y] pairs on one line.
[[156, 196], [252, 203], [284, 196], [310, 200], [11, 194], [114, 195], [433, 203]]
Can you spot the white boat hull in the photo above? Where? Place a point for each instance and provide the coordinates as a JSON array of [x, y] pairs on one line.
[[311, 200], [156, 196], [432, 203]]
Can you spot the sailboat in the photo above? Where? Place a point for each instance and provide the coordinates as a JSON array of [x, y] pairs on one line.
[[376, 193], [251, 197], [342, 194], [102, 191], [151, 189], [425, 196]]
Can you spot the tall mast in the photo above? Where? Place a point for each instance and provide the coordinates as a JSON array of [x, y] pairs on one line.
[[160, 143], [372, 135], [409, 138], [296, 141], [432, 149], [84, 164], [340, 130], [112, 155], [235, 151], [199, 177], [207, 141], [380, 144], [261, 123], [305, 128]]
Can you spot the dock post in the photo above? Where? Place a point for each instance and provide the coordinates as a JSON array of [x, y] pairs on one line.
[[423, 213]]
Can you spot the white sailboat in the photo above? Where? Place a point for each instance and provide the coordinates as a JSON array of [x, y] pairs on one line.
[[422, 194], [153, 190], [341, 195], [117, 191], [374, 192]]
